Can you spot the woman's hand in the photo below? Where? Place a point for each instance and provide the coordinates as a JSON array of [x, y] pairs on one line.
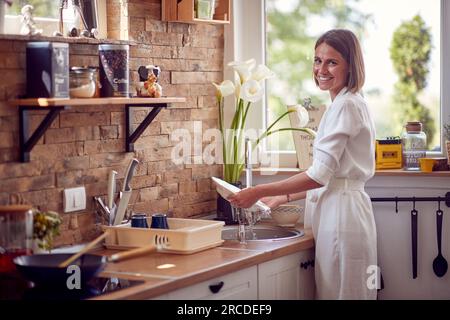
[[273, 202], [245, 198]]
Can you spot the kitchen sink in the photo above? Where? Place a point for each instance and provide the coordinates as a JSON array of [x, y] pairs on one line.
[[261, 232]]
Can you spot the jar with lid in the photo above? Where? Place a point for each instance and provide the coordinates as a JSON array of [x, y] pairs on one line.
[[82, 82], [16, 234], [414, 146]]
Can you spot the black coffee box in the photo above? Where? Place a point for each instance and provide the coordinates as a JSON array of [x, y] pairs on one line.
[[47, 70]]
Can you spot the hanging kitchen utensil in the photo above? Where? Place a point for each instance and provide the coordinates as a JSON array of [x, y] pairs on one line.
[[440, 265], [414, 215]]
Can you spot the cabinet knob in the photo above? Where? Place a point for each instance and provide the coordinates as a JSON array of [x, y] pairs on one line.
[[216, 287]]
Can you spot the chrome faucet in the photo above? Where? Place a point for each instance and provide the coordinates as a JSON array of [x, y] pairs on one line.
[[247, 216], [248, 163], [248, 176]]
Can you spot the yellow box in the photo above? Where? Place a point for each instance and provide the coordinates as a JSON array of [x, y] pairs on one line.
[[388, 154]]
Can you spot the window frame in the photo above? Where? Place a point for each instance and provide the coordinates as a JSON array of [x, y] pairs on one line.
[[245, 39]]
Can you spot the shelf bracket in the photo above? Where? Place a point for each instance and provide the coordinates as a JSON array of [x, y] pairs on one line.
[[27, 141], [131, 137]]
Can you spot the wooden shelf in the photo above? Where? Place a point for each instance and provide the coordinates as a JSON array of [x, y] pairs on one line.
[[183, 11], [56, 105], [56, 102]]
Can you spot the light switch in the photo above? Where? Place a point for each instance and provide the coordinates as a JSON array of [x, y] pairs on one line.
[[74, 199]]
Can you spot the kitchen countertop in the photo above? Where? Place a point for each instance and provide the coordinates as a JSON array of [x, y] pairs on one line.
[[194, 268]]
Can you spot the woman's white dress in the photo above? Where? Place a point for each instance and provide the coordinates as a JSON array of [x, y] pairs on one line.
[[340, 213]]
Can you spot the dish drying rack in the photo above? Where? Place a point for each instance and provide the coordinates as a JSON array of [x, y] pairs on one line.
[[184, 236]]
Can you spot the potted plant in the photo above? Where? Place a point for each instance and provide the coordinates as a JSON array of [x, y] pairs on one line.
[[247, 88], [45, 227]]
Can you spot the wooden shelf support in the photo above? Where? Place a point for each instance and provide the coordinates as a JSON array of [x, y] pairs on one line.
[[55, 105], [27, 141], [131, 137]]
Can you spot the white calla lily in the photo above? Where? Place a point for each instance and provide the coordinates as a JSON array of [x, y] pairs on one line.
[[243, 69], [224, 89], [248, 88], [237, 86], [302, 114], [262, 73], [250, 63], [311, 132], [251, 91]]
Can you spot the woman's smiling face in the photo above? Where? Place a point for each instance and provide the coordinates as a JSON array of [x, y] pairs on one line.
[[330, 69]]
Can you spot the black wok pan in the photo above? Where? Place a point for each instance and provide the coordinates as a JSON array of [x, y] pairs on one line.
[[43, 270]]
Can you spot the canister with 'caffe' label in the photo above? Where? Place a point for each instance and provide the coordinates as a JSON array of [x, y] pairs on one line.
[[114, 71]]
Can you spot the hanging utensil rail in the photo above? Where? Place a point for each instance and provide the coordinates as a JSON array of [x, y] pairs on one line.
[[445, 199]]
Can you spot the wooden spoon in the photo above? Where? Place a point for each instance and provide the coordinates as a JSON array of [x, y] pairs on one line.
[[161, 242], [88, 247], [130, 253]]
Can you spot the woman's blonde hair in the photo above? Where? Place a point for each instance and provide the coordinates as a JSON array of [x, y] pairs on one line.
[[345, 42]]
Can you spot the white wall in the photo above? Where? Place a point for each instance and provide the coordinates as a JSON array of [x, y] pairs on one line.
[[394, 235]]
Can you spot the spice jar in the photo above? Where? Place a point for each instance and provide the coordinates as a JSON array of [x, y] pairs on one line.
[[82, 82], [414, 146], [16, 234]]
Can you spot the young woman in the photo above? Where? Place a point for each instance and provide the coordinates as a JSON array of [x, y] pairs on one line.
[[337, 208]]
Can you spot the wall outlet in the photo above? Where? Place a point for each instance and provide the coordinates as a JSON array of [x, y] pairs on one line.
[[74, 199]]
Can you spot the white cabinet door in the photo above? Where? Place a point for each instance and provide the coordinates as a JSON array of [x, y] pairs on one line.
[[239, 285], [287, 278]]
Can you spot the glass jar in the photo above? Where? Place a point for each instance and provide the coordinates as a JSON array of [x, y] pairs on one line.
[[414, 146], [16, 234], [82, 82]]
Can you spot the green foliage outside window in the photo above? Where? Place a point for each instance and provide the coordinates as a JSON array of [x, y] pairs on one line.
[[42, 8], [410, 53]]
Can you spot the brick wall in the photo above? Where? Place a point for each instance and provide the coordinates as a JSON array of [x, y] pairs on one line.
[[85, 143]]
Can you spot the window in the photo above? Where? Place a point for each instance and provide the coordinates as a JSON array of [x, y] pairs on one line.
[[290, 27], [42, 8], [46, 15]]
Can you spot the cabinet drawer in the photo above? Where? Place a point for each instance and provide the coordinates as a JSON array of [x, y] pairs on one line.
[[241, 284]]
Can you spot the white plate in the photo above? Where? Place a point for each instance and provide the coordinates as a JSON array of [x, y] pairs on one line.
[[226, 189]]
